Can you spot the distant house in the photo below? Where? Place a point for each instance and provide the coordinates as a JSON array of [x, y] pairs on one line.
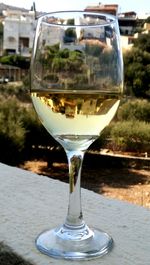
[[127, 23], [110, 9], [18, 31], [19, 28]]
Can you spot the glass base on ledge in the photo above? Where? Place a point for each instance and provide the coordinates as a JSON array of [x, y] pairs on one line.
[[74, 243]]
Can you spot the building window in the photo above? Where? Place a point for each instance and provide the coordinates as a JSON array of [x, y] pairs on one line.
[[23, 44], [10, 51], [11, 39]]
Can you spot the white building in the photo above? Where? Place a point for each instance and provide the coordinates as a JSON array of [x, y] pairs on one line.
[[19, 30]]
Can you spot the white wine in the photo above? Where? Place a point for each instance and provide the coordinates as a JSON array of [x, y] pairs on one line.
[[75, 119]]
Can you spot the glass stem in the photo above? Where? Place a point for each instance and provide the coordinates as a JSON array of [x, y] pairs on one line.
[[74, 217]]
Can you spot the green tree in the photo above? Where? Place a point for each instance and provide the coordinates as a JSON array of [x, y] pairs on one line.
[[143, 42], [137, 69], [147, 20]]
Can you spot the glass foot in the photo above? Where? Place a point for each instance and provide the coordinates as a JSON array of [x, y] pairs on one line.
[[74, 243]]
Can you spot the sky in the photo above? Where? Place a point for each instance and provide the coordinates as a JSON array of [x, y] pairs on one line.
[[139, 6]]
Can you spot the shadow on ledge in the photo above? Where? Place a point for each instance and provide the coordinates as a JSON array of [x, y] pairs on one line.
[[8, 257]]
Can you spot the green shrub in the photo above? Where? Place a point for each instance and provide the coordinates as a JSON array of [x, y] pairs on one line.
[[19, 91], [135, 110], [130, 136], [20, 130], [16, 60], [12, 132]]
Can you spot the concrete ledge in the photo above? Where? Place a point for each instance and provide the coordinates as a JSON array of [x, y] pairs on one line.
[[30, 204]]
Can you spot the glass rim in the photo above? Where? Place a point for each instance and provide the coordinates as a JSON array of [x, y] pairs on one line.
[[111, 19]]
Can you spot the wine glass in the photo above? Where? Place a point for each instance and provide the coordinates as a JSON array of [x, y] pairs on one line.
[[76, 86]]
